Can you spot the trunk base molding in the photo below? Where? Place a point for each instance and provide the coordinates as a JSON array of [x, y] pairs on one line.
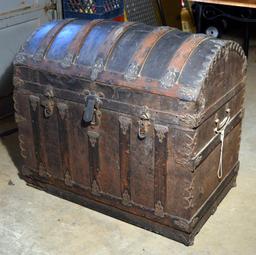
[[187, 239]]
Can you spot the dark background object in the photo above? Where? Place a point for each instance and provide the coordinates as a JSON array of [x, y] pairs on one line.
[[92, 9], [161, 12], [222, 17], [154, 12], [171, 10], [143, 11]]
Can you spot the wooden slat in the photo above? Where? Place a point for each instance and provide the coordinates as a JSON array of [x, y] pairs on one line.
[[64, 141], [160, 171], [124, 151]]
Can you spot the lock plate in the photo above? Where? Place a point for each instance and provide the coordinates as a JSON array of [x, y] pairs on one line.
[[92, 113], [144, 123], [89, 109], [48, 102]]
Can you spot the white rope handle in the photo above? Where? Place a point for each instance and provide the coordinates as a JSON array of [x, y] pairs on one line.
[[221, 132], [220, 167]]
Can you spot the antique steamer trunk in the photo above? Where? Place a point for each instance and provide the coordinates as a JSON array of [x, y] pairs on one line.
[[142, 123]]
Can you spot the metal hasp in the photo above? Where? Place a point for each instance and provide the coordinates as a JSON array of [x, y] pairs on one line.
[[144, 123], [91, 112]]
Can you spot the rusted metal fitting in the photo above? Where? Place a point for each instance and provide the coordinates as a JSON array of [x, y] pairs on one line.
[[92, 114], [48, 102], [144, 123]]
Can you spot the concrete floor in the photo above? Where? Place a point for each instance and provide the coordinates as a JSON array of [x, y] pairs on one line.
[[35, 223]]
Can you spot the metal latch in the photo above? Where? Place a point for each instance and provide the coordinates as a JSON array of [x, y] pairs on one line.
[[144, 123], [92, 113], [220, 130], [222, 124], [48, 103]]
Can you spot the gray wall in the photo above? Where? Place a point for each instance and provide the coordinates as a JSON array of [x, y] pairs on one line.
[[18, 19]]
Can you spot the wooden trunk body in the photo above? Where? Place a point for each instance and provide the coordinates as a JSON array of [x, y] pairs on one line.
[[122, 118]]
